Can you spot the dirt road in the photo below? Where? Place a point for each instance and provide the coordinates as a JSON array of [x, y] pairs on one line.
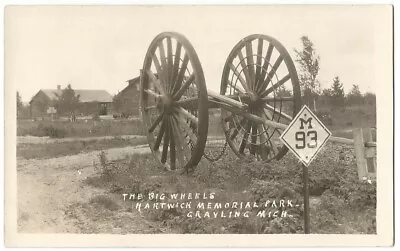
[[46, 188], [48, 140]]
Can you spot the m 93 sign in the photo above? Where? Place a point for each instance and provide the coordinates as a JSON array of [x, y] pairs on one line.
[[301, 136], [305, 135]]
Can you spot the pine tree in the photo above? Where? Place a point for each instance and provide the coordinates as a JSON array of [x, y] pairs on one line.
[[67, 101], [354, 97], [337, 93]]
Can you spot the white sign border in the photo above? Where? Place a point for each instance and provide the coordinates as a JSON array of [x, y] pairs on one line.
[[290, 126]]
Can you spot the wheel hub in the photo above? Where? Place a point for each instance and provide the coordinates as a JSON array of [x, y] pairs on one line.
[[255, 101], [167, 103]]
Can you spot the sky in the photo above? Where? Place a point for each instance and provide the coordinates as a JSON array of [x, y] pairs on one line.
[[101, 47]]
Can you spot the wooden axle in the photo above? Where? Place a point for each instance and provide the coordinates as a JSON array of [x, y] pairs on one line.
[[221, 99], [236, 107]]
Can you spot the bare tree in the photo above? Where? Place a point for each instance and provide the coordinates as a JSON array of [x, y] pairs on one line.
[[308, 61]]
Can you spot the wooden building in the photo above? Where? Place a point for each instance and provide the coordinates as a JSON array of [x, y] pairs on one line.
[[92, 102], [127, 101]]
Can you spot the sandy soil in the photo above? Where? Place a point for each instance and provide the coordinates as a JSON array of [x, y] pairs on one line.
[[46, 188]]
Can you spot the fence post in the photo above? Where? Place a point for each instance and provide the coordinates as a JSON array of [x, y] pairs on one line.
[[359, 152], [370, 153]]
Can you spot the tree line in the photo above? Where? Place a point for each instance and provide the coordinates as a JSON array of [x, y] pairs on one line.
[[309, 65]]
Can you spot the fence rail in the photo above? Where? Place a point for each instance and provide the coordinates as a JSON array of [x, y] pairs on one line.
[[365, 151]]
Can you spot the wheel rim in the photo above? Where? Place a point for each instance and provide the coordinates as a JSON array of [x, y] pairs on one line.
[[171, 77], [259, 72]]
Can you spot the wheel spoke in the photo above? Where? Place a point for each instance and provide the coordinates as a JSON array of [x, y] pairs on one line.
[[270, 116], [234, 134], [275, 86], [236, 88], [263, 141], [253, 139], [265, 66], [188, 115], [241, 123], [158, 68], [184, 128], [283, 115], [175, 70], [250, 64], [258, 66], [244, 68], [179, 141], [165, 144], [164, 67], [272, 73], [245, 137], [187, 129], [156, 122], [273, 147], [151, 93], [172, 156], [242, 81], [188, 103], [236, 130], [153, 107], [229, 117], [262, 131], [184, 87], [156, 82], [181, 74], [159, 136], [170, 63]]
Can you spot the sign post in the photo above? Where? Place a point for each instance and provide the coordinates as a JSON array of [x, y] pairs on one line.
[[306, 200], [305, 136]]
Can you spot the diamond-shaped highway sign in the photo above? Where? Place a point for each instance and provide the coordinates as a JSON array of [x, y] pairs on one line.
[[305, 135]]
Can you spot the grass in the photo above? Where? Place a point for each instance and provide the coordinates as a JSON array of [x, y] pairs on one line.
[[105, 202], [80, 128], [350, 117], [58, 149], [341, 203]]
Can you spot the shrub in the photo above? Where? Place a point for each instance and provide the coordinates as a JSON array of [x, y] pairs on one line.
[[358, 195], [96, 117], [47, 130], [107, 169], [54, 132], [325, 117]]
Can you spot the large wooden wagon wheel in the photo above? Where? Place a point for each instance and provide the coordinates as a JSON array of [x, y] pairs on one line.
[[260, 73], [174, 101]]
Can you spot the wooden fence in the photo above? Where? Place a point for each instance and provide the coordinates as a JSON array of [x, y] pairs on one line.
[[364, 149]]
